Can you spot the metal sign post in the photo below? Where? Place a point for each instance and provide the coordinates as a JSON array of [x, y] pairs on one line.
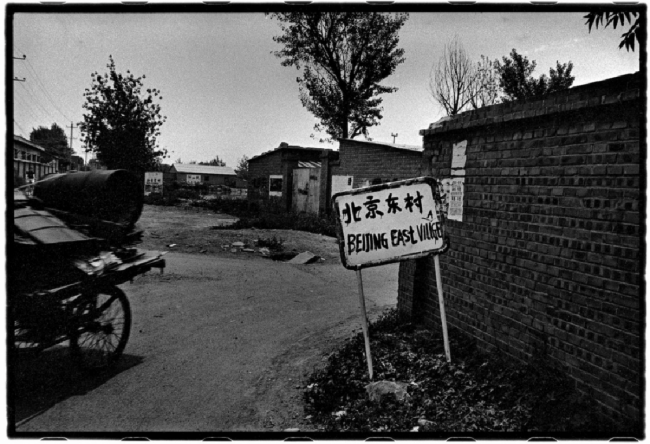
[[388, 223], [441, 300], [364, 323]]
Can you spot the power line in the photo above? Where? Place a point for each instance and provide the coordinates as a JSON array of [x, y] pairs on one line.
[[20, 127], [44, 89], [37, 101]]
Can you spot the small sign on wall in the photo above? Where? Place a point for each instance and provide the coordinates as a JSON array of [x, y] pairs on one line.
[[275, 185], [389, 222], [193, 179]]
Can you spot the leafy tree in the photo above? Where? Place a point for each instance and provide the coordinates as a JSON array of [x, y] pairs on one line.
[[242, 168], [214, 162], [343, 56], [517, 82], [122, 122], [54, 141], [613, 18]]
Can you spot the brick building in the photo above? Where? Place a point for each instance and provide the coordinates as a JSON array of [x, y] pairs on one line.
[[546, 253], [270, 174], [360, 163]]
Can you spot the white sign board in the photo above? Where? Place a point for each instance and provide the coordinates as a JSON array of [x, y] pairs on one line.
[[389, 222], [153, 182], [193, 179]]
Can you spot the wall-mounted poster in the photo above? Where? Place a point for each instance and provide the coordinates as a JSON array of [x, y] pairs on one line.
[[275, 185], [193, 179]]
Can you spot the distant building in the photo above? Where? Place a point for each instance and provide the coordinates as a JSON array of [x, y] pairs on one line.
[[29, 156], [193, 174]]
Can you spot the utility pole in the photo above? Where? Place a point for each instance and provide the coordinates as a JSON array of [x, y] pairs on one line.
[[71, 128], [16, 79], [394, 136]]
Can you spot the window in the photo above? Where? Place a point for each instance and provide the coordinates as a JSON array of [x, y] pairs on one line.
[[206, 178]]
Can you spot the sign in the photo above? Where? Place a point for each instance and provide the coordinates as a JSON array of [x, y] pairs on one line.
[[153, 183], [193, 179], [275, 185], [389, 222]]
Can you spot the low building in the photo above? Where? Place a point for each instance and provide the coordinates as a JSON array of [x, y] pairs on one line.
[[194, 174], [270, 174], [29, 156], [361, 163]]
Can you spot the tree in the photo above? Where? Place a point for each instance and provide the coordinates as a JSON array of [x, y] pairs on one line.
[[214, 162], [343, 56], [54, 141], [450, 82], [613, 18], [517, 82], [484, 90], [122, 122], [242, 168]]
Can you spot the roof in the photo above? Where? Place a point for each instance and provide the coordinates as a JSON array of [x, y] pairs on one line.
[[389, 145], [302, 164], [27, 142], [286, 146], [203, 169]]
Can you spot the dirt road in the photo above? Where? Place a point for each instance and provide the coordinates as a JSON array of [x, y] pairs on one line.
[[220, 342]]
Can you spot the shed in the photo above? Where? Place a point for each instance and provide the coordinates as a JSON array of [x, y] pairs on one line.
[[270, 174]]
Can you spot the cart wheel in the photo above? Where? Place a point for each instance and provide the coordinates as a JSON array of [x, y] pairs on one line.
[[103, 329]]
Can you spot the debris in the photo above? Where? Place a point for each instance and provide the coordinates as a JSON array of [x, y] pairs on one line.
[[415, 429], [340, 413], [248, 250], [265, 251], [233, 250], [238, 244], [423, 422], [305, 257], [171, 245], [203, 251], [294, 430], [377, 391]]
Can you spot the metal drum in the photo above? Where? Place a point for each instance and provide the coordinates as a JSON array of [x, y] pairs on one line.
[[111, 195]]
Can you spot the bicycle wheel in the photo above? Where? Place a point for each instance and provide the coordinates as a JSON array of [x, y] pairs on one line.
[[103, 325]]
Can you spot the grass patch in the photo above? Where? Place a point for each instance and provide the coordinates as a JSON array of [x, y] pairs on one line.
[[475, 393]]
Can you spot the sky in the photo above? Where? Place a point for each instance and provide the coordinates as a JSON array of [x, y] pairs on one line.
[[224, 92]]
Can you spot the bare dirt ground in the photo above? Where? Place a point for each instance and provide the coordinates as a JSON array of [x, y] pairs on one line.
[[221, 342], [166, 226]]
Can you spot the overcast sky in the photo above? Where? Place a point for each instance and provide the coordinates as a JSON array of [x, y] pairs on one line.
[[225, 94]]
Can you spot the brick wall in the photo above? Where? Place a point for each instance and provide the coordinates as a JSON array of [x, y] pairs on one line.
[[259, 170], [371, 161], [547, 259]]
